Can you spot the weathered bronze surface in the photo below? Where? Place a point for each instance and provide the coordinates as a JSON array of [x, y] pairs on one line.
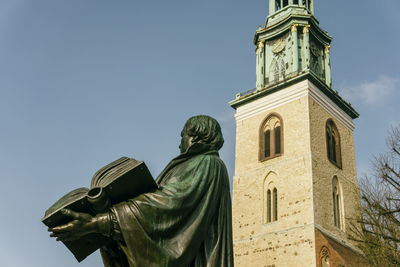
[[186, 221]]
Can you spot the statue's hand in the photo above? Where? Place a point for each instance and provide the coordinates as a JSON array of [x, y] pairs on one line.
[[81, 225]]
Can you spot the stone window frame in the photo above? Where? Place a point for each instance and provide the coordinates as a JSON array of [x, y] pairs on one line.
[[333, 151], [262, 130]]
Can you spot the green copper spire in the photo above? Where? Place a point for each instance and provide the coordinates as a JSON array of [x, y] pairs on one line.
[[290, 44], [291, 47]]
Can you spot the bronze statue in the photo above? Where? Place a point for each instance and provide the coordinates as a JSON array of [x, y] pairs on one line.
[[186, 221]]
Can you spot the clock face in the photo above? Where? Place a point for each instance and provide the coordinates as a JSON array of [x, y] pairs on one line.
[[278, 45]]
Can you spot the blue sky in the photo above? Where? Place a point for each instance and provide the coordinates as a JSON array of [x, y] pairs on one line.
[[84, 82]]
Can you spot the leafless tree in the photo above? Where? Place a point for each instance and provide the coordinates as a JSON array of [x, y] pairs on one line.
[[377, 231]]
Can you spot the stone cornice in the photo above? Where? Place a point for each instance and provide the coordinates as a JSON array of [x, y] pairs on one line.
[[260, 103], [332, 99], [272, 30]]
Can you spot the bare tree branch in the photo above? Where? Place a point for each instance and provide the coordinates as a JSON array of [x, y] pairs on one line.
[[377, 231]]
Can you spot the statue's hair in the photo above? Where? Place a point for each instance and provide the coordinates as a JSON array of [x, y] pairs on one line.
[[205, 130]]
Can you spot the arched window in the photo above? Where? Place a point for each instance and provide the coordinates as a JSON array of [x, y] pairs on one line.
[[277, 139], [269, 202], [277, 5], [336, 200], [333, 143], [271, 138], [270, 199], [324, 257], [275, 195]]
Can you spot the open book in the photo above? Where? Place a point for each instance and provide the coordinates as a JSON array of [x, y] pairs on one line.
[[120, 180]]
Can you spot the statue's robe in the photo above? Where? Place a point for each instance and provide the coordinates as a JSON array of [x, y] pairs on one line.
[[186, 222]]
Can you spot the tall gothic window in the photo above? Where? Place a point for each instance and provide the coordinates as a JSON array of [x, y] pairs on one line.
[[333, 143], [271, 138], [269, 206], [277, 139], [272, 206], [275, 199], [267, 144], [277, 5], [270, 198], [285, 3], [296, 2], [336, 200]]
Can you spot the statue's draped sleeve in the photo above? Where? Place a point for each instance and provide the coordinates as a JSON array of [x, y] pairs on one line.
[[186, 222]]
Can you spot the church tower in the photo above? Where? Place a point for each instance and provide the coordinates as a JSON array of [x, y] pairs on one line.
[[295, 189]]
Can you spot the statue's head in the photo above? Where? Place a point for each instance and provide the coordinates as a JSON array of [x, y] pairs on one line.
[[201, 129]]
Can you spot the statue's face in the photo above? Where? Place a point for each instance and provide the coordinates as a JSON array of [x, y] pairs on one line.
[[186, 141]]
